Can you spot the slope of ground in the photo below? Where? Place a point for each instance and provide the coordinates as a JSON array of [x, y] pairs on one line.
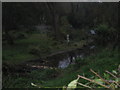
[[106, 59]]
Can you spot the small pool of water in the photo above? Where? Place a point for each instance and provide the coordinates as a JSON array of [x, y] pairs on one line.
[[64, 63], [70, 59]]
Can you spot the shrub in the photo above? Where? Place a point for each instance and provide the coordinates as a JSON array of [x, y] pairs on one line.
[[39, 50], [109, 80], [105, 34], [35, 51], [21, 36]]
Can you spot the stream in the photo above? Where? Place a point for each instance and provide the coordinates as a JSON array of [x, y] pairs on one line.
[[62, 59], [57, 60]]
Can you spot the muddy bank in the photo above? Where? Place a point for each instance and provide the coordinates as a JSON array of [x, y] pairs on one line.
[[60, 59]]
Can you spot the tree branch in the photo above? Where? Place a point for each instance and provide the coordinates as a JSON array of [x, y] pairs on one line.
[[99, 77], [92, 81]]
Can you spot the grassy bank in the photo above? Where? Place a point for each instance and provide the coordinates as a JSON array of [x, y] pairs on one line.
[[106, 59], [34, 46]]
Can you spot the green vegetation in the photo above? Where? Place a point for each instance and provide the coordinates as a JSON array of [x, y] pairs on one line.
[[35, 46], [106, 59], [105, 34], [39, 35], [109, 80]]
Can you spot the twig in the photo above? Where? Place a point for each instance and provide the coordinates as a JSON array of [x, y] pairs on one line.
[[111, 74], [117, 84], [99, 77], [110, 81], [84, 85], [92, 81], [111, 85]]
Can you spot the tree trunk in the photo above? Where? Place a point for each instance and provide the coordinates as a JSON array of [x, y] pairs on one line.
[[56, 26], [55, 19]]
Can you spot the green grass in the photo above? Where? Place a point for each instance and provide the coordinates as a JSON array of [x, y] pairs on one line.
[[20, 51], [106, 59], [43, 44], [16, 54]]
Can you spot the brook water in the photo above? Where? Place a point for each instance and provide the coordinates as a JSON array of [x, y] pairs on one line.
[[64, 59]]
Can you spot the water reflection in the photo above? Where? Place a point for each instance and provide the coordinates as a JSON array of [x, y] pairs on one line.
[[72, 57], [70, 60], [64, 63]]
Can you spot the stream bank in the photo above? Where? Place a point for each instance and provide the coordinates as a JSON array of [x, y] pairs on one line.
[[61, 59]]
